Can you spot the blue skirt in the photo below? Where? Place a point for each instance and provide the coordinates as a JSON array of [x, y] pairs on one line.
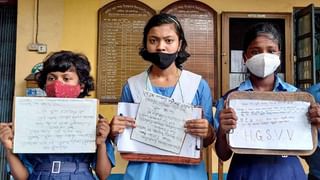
[[314, 164], [264, 167], [62, 171], [61, 176]]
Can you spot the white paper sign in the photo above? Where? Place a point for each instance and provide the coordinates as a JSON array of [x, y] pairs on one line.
[[267, 124], [190, 148], [54, 125], [160, 122]]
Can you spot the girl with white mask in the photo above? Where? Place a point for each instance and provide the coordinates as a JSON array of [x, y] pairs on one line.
[[261, 56], [262, 53]]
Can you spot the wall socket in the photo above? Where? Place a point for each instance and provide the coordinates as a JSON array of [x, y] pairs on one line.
[[39, 47], [42, 48]]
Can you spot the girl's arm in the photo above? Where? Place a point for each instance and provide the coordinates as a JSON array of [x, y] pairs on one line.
[[222, 148], [18, 170], [227, 122], [203, 127], [103, 165], [210, 138]]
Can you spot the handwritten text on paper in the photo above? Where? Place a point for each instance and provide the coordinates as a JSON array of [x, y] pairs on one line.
[[270, 124], [160, 122], [55, 125]]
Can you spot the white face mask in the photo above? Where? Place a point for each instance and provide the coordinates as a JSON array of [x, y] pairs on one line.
[[264, 64]]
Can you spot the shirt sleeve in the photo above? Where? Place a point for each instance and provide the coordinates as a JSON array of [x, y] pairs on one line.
[[204, 99], [219, 107], [315, 91], [126, 95], [110, 154]]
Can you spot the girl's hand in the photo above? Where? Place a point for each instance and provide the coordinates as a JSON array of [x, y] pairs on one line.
[[314, 114], [6, 135], [198, 127], [103, 130], [228, 120], [119, 123]]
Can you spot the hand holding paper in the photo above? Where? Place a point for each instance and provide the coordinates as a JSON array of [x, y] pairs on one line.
[[198, 127], [314, 114], [228, 120], [103, 130], [119, 123], [6, 135]]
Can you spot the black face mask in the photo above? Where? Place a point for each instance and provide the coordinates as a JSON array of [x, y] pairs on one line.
[[161, 60]]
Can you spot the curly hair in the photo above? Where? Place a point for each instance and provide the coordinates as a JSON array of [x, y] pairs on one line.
[[160, 19], [64, 60]]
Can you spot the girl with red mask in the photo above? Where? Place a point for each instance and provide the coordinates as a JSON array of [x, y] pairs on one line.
[[66, 75]]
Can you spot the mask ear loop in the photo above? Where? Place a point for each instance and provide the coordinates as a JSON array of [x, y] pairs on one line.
[[82, 87], [244, 57], [245, 69]]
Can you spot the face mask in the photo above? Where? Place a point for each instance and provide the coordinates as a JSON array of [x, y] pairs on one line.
[[58, 89], [264, 64], [161, 60]]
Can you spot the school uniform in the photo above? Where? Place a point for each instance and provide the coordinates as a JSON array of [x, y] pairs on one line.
[[63, 166], [190, 88], [262, 167]]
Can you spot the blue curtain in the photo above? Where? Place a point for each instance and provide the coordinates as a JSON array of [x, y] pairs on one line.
[[8, 24]]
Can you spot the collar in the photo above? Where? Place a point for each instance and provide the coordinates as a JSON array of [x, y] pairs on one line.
[[279, 85]]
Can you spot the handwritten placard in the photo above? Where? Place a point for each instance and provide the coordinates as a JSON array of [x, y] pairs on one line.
[[271, 124], [190, 149], [54, 125], [160, 122]]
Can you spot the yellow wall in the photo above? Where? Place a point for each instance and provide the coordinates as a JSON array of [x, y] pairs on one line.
[[72, 25]]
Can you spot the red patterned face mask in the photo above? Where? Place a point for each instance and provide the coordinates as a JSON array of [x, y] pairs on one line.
[[58, 89]]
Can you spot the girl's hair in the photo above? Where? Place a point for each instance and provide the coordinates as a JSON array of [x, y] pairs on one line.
[[261, 29], [62, 61], [160, 19]]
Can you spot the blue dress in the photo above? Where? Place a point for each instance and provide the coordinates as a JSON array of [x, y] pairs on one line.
[[263, 167], [314, 160], [84, 162], [161, 171]]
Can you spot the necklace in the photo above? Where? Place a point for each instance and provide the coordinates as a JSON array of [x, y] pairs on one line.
[[178, 74]]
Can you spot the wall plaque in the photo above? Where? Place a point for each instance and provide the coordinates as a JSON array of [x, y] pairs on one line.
[[199, 24], [120, 35]]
